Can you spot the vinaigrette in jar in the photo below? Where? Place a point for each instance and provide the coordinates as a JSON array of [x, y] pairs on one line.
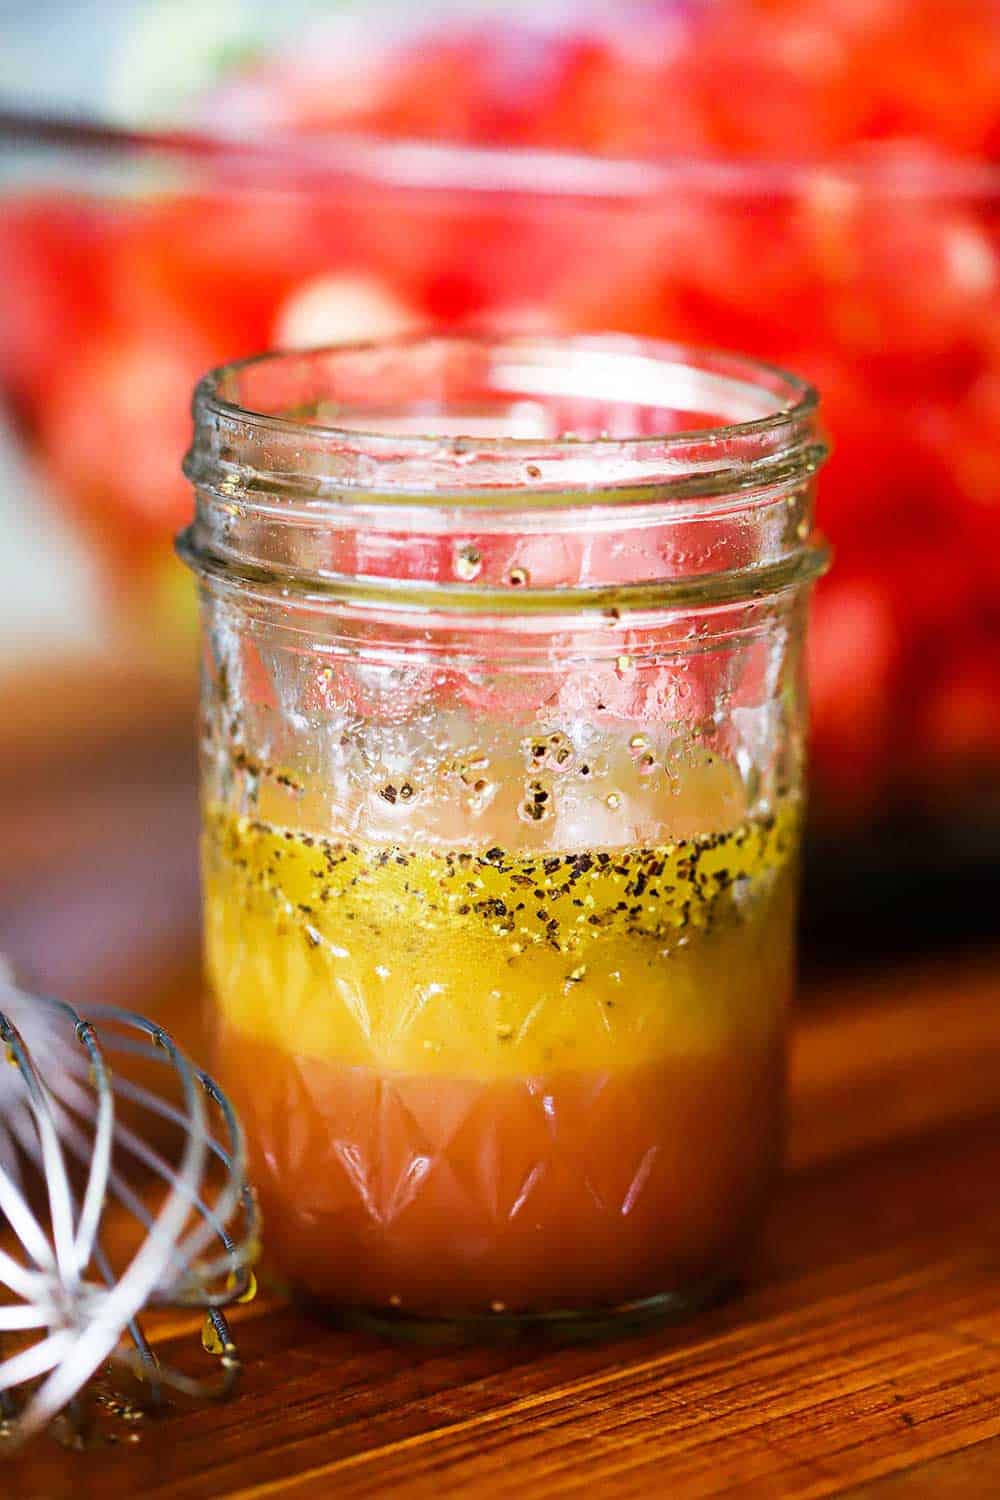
[[507, 1077], [503, 763]]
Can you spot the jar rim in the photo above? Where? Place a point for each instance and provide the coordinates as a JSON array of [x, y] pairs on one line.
[[698, 492], [802, 398], [751, 413]]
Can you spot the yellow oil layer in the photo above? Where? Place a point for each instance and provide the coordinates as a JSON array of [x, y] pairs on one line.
[[498, 963]]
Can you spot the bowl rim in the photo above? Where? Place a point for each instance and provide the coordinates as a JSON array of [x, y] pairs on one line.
[[903, 170]]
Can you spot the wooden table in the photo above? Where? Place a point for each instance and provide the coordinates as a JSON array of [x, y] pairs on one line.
[[863, 1359]]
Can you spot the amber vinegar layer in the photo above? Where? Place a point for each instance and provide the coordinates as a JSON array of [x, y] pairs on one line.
[[444, 1196]]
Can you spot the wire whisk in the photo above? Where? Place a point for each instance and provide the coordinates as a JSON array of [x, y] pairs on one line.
[[122, 1187]]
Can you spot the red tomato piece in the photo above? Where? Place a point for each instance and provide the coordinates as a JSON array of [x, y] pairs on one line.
[[774, 80], [223, 263], [959, 723], [965, 435], [906, 280], [928, 72], [52, 289], [115, 431], [853, 680]]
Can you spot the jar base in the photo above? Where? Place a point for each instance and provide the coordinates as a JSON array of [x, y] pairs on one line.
[[560, 1326]]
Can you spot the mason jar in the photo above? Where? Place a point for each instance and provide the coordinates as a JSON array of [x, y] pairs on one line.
[[502, 740]]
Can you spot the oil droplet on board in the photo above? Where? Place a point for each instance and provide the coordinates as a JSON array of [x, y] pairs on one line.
[[249, 1292], [211, 1340]]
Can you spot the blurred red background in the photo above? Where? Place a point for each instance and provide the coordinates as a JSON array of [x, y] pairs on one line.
[[816, 182]]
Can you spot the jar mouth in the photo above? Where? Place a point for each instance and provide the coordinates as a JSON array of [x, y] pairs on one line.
[[505, 475], [524, 420]]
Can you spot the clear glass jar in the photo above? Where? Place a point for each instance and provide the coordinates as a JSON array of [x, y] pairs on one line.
[[503, 757]]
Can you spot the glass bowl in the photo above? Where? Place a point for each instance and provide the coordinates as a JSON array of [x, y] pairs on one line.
[[130, 261]]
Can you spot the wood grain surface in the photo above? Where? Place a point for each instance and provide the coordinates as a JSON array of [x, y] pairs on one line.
[[863, 1358]]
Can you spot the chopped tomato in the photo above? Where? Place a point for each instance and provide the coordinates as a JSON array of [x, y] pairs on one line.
[[224, 261], [959, 721], [52, 294], [116, 428], [854, 659]]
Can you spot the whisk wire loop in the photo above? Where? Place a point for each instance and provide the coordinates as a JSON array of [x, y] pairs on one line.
[[66, 1302]]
